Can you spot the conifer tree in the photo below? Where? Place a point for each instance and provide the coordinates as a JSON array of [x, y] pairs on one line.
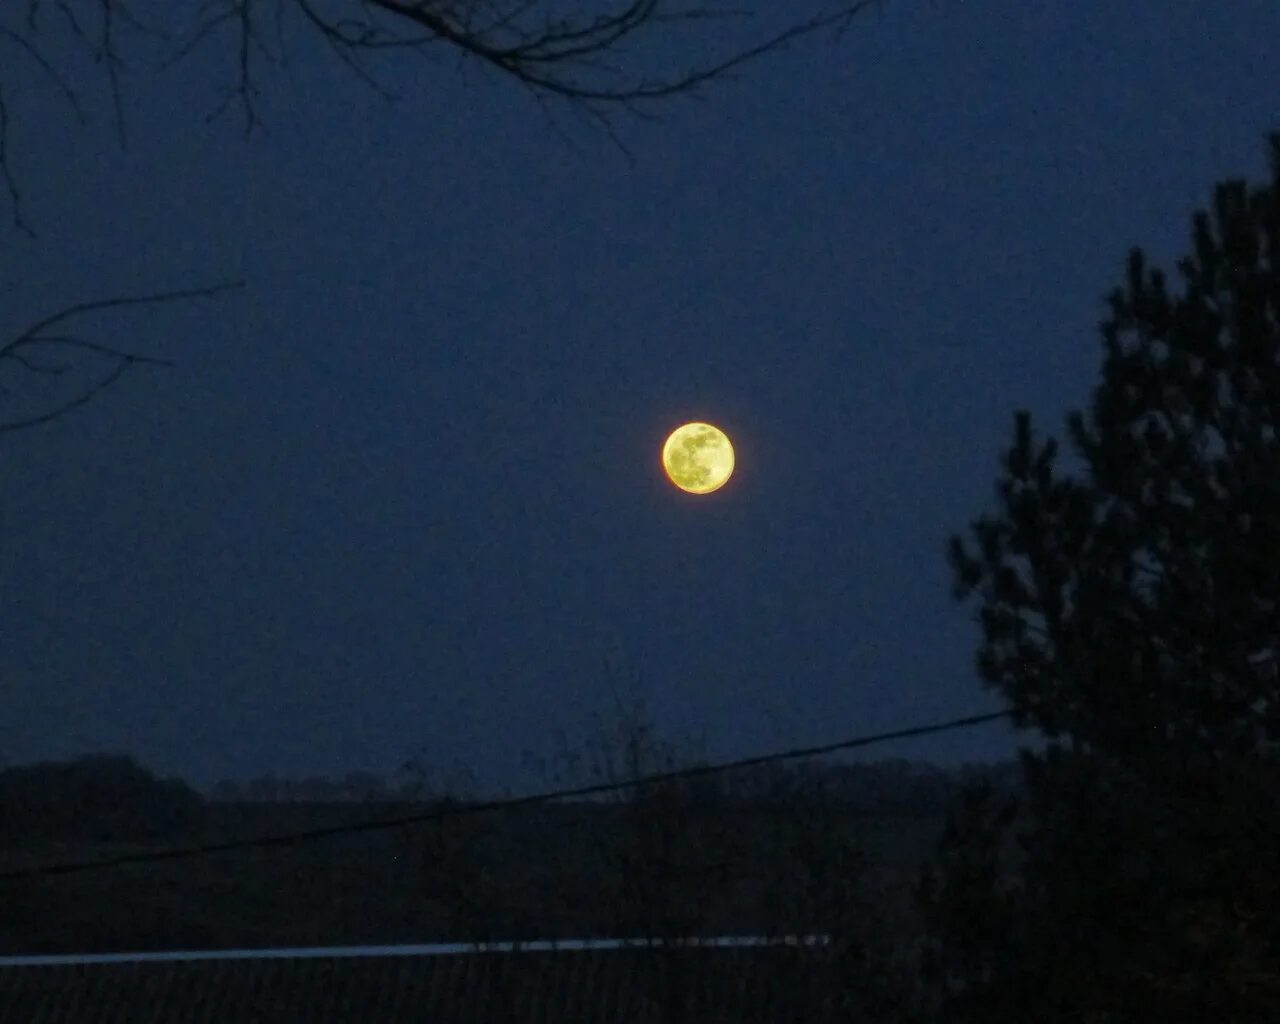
[[1133, 617]]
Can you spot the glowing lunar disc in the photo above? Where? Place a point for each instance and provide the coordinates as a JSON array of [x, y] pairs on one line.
[[698, 458]]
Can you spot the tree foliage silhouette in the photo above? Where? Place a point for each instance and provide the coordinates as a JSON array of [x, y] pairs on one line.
[[1134, 618]]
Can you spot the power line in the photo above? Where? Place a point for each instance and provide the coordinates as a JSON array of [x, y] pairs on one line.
[[456, 810]]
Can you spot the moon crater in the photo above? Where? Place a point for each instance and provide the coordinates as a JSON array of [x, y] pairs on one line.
[[698, 458]]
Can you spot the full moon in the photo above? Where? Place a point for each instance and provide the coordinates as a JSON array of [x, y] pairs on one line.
[[698, 458]]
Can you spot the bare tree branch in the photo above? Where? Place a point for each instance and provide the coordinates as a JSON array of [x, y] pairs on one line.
[[15, 198], [562, 58], [58, 80], [102, 50], [21, 349], [568, 40]]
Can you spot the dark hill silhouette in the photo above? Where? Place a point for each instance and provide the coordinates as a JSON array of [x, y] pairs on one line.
[[101, 798]]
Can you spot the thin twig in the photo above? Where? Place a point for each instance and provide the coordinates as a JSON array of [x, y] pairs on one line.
[[128, 300], [33, 336]]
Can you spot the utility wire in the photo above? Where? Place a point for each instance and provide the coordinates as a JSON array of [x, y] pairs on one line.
[[456, 810]]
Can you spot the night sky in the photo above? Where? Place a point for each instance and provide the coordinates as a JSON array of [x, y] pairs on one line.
[[401, 497]]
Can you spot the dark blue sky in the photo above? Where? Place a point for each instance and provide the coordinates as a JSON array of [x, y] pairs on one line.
[[401, 495]]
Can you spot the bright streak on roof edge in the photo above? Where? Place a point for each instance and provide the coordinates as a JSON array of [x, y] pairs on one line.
[[444, 949]]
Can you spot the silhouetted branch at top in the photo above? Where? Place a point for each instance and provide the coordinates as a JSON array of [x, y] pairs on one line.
[[37, 349], [555, 56]]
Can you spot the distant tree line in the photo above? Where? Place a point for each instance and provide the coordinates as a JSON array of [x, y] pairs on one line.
[[353, 786], [888, 787], [894, 786], [112, 798]]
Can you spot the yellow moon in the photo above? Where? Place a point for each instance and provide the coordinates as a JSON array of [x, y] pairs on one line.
[[698, 458]]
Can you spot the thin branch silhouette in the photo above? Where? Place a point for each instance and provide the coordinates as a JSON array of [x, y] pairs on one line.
[[572, 59], [24, 349]]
